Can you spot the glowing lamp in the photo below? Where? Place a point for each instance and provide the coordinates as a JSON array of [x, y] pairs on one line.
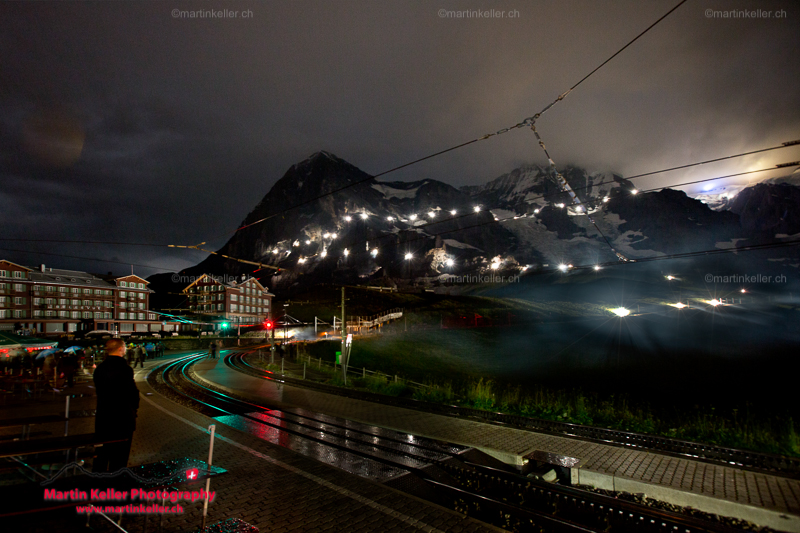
[[621, 312], [409, 255], [449, 262], [477, 208], [452, 211], [364, 216]]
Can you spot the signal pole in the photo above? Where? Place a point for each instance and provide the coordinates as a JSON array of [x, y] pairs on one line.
[[344, 337]]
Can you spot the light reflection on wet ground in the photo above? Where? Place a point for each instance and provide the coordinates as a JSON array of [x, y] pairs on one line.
[[402, 448]]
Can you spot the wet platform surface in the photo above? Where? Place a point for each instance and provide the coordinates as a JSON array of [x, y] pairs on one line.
[[724, 483], [265, 484]]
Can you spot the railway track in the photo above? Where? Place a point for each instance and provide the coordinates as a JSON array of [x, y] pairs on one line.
[[778, 465], [453, 476]]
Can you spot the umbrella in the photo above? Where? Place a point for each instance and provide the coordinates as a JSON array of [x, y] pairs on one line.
[[45, 353], [73, 349]]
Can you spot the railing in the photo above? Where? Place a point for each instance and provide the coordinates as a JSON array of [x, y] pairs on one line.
[[311, 364], [375, 320]]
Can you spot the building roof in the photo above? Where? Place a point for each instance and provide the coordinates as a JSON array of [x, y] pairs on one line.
[[69, 277], [16, 265]]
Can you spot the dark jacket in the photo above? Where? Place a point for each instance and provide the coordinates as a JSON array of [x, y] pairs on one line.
[[117, 398]]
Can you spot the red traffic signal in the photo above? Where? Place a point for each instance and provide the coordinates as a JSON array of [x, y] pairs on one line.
[[268, 324]]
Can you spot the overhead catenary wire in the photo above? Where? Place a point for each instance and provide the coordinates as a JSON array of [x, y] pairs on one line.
[[524, 123], [431, 223], [429, 236], [86, 258], [544, 196]]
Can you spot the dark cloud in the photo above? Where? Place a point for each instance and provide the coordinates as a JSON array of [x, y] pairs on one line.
[[187, 123]]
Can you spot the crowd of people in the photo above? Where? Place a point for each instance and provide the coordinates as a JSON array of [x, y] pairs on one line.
[[60, 366]]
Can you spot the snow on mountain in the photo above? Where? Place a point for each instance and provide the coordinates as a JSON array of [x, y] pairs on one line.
[[344, 226]]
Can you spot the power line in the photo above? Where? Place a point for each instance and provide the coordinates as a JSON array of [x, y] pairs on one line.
[[85, 258], [629, 178], [526, 122], [516, 217]]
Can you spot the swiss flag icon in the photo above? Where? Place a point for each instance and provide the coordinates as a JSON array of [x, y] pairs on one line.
[[192, 474]]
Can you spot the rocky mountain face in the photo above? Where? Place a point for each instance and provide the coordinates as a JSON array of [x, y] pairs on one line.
[[349, 228], [346, 227]]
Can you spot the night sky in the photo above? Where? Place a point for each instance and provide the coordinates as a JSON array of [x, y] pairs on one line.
[[121, 122]]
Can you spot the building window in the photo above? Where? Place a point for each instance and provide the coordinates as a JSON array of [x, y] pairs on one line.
[[123, 305], [19, 314], [123, 294], [122, 315], [141, 296], [87, 303], [76, 314], [106, 315], [98, 315], [62, 301], [108, 292], [76, 290], [19, 287], [141, 316], [37, 301], [123, 283], [49, 313], [76, 303], [87, 291], [233, 308], [49, 288], [2, 300], [62, 289], [19, 300], [141, 285], [234, 298], [86, 314]]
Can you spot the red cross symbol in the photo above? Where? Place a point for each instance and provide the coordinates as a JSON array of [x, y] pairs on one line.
[[191, 473]]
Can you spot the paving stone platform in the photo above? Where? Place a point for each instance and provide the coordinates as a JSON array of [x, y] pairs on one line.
[[772, 500], [266, 485]]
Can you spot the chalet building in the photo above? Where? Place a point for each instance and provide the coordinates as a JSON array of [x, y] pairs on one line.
[[54, 301], [241, 302]]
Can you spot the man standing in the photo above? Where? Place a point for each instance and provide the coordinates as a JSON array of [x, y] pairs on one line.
[[140, 356], [212, 350], [117, 403]]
